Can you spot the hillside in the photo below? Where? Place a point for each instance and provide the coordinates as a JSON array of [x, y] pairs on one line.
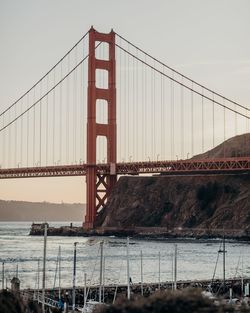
[[197, 202], [40, 211], [238, 146]]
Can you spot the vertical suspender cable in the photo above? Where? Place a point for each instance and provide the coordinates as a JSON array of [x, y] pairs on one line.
[[78, 114], [246, 136], [162, 119], [74, 110], [182, 120], [60, 116], [247, 122], [16, 124], [133, 108], [53, 119], [202, 120], [137, 108], [154, 115], [151, 151], [125, 106], [120, 106], [224, 139], [192, 122], [173, 112], [81, 108], [235, 121], [9, 142], [248, 144], [84, 120], [172, 118], [128, 105], [27, 131], [21, 140], [40, 125], [67, 116], [247, 133], [3, 142], [34, 129], [47, 122], [142, 119], [146, 121], [213, 124]]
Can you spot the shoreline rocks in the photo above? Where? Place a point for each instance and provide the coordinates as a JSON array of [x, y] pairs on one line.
[[155, 233]]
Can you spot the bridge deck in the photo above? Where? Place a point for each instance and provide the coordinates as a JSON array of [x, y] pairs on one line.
[[180, 167]]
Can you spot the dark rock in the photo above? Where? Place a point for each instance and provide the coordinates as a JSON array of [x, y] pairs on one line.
[[187, 205]]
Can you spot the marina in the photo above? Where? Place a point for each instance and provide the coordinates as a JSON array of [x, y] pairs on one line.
[[110, 293], [97, 269]]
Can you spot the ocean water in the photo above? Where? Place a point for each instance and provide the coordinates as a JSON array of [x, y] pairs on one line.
[[196, 259]]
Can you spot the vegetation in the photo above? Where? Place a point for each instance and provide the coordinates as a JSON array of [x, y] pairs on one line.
[[11, 303], [156, 215], [186, 301], [207, 193]]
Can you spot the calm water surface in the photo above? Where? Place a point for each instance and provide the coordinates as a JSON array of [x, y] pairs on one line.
[[196, 259]]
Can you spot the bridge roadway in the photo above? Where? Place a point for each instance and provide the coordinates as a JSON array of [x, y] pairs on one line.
[[240, 165]]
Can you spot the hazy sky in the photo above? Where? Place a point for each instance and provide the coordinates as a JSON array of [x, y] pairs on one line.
[[207, 40]]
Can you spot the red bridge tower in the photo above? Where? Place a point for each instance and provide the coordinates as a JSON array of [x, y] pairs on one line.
[[98, 185]]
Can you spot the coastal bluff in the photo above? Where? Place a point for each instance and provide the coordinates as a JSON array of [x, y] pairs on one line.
[[204, 204]]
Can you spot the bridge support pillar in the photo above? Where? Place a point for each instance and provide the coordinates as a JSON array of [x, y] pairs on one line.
[[99, 186]]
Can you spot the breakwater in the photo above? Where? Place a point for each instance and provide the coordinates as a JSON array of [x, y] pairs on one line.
[[140, 232]]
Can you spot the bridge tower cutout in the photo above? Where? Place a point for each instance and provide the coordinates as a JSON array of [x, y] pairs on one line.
[[100, 185]]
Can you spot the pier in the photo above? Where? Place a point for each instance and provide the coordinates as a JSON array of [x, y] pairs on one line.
[[110, 293]]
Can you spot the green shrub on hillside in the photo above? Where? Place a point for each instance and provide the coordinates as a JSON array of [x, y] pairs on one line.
[[185, 301]]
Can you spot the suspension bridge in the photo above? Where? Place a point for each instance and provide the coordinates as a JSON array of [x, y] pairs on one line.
[[108, 108]]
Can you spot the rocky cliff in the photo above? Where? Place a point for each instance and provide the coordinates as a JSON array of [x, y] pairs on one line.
[[184, 202]]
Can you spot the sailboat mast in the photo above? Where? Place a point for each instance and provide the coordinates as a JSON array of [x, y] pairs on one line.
[[159, 268], [85, 290], [74, 278], [59, 278], [224, 261], [38, 280], [141, 275], [101, 268], [175, 266], [3, 276], [44, 267], [103, 280], [128, 274], [242, 277]]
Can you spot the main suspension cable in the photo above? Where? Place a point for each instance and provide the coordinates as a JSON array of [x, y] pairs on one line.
[[187, 87], [44, 75], [184, 76], [48, 92]]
